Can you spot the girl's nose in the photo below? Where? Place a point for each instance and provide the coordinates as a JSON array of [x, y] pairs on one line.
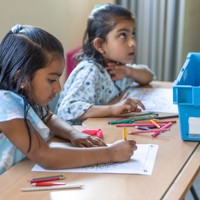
[[132, 42], [57, 87]]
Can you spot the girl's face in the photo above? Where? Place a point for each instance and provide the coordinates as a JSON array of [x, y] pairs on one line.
[[45, 83], [120, 43]]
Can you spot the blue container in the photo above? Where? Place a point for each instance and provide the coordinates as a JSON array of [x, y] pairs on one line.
[[186, 94]]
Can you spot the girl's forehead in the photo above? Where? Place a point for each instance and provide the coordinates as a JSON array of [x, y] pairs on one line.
[[123, 19], [124, 23], [56, 65]]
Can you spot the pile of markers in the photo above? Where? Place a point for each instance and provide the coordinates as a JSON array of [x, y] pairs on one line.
[[47, 183], [146, 123]]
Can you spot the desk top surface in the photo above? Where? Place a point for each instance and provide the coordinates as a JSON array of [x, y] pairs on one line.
[[176, 166]]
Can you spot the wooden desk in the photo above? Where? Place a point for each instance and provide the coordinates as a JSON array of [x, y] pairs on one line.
[[177, 165]]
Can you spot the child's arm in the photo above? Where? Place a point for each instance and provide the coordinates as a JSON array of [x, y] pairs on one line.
[[139, 73], [125, 106], [60, 158], [62, 129]]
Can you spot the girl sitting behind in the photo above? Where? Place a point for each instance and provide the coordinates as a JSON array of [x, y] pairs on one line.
[[101, 74]]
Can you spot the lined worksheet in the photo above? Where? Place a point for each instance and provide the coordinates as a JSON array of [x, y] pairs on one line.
[[141, 162]]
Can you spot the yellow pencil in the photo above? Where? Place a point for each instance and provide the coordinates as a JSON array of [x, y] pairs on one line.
[[125, 134]]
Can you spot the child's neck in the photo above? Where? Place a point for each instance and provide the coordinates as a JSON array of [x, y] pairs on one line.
[[112, 61]]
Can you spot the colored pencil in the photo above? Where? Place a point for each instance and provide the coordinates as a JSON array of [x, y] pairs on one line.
[[124, 134], [147, 131], [48, 183], [154, 134], [45, 179], [29, 189]]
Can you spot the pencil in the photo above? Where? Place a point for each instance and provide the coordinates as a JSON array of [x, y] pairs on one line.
[[154, 134], [124, 121], [149, 131], [28, 189], [124, 133], [155, 123], [48, 184], [166, 117], [60, 175], [137, 124], [53, 178]]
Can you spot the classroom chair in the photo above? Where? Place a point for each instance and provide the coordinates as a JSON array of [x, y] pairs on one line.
[[70, 63]]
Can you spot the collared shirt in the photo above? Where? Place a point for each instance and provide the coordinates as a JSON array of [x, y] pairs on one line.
[[12, 107]]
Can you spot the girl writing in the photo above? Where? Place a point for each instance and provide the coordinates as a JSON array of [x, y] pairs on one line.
[[31, 63], [101, 74]]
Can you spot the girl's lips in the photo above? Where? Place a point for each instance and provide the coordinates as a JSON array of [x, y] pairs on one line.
[[131, 54]]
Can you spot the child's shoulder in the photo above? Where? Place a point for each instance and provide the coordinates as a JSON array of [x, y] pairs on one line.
[[88, 66], [11, 99], [87, 63], [9, 95], [11, 105]]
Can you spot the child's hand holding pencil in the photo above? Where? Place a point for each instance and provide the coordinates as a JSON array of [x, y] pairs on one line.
[[121, 151]]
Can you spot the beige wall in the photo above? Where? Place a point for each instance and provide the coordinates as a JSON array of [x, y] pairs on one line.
[[191, 33], [66, 19]]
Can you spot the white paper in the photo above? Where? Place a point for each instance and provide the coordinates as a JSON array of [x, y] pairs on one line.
[[154, 99], [141, 162], [194, 125]]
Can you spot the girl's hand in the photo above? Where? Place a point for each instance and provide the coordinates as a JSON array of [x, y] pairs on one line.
[[80, 139], [122, 150], [126, 106], [116, 71]]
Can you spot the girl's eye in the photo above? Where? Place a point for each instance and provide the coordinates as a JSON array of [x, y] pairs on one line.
[[123, 35], [51, 81]]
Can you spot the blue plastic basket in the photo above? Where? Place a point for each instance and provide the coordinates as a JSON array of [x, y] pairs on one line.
[[186, 94]]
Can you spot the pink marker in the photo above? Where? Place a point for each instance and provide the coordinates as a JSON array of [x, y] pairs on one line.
[[147, 131], [163, 128], [90, 131], [99, 134]]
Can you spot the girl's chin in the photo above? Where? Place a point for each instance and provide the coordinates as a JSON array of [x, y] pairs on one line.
[[42, 104]]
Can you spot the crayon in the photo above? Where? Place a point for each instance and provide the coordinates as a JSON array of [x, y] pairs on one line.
[[124, 134]]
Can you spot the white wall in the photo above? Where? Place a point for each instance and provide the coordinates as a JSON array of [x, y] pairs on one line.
[[66, 19]]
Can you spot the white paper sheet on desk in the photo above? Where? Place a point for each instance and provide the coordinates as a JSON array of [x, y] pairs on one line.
[[154, 99], [141, 162]]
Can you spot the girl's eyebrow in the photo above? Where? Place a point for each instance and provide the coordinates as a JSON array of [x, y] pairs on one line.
[[55, 74], [124, 29]]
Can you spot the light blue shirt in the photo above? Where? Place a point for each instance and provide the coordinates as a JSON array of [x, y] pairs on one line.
[[12, 107], [89, 84]]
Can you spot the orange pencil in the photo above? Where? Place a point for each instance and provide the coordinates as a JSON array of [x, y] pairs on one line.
[[155, 123]]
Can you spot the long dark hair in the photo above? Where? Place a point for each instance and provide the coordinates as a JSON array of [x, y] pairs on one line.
[[100, 22], [23, 51]]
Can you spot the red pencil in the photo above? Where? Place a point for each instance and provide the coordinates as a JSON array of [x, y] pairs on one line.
[[48, 183]]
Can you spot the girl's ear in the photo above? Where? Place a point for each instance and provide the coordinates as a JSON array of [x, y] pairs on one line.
[[22, 86], [98, 43]]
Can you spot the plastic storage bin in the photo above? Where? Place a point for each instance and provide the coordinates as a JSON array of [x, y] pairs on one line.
[[186, 94]]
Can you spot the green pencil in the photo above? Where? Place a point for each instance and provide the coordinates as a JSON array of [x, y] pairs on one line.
[[122, 121]]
